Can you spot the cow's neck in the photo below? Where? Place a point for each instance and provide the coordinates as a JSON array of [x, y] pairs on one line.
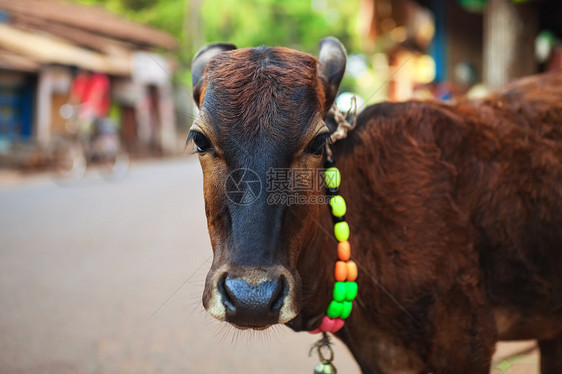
[[316, 264]]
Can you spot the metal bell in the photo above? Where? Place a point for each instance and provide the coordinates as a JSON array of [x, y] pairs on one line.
[[325, 368]]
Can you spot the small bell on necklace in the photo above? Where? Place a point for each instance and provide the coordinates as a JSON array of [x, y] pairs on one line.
[[326, 354], [325, 367]]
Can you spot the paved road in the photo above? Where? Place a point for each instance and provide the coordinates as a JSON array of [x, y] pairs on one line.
[[85, 271]]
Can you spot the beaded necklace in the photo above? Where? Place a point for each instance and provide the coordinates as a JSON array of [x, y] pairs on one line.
[[345, 288]]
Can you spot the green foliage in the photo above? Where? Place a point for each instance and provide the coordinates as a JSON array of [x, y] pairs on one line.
[[298, 24], [294, 23]]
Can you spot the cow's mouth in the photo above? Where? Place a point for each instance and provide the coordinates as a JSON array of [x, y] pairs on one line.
[[251, 327], [301, 323]]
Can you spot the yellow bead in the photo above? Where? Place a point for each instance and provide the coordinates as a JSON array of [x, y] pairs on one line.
[[332, 177], [341, 231], [338, 206]]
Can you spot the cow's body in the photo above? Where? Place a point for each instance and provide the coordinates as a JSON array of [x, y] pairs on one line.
[[455, 213]]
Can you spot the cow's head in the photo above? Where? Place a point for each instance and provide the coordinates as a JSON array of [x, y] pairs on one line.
[[261, 114]]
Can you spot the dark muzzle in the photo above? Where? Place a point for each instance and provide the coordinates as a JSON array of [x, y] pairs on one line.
[[251, 305]]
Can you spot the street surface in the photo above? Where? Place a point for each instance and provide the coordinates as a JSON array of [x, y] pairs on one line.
[[85, 269], [105, 277]]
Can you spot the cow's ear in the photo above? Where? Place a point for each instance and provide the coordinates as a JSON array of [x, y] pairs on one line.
[[199, 64], [332, 57]]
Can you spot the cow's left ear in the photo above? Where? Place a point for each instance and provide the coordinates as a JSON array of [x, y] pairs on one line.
[[199, 64], [332, 57]]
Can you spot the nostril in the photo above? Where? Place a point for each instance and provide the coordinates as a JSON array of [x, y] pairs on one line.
[[226, 294], [281, 290]]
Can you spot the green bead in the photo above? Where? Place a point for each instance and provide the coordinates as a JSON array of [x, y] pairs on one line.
[[351, 291], [334, 309], [338, 206], [346, 309], [332, 177], [340, 291], [341, 231]]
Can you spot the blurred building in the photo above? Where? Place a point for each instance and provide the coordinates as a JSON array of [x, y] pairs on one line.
[[469, 41], [45, 44]]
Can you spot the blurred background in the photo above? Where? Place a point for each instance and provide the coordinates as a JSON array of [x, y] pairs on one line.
[[103, 242]]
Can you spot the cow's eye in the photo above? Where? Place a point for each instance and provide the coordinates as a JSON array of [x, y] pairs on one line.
[[316, 146], [202, 143]]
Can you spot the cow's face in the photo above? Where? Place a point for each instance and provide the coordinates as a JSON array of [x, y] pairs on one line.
[[260, 129]]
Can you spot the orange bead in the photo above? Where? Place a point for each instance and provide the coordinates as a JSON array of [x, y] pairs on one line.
[[351, 271], [344, 250], [341, 271]]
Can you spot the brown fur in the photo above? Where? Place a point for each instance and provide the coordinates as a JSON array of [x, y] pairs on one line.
[[456, 211], [260, 86]]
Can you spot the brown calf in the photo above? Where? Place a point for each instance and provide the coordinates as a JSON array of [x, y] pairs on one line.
[[455, 211]]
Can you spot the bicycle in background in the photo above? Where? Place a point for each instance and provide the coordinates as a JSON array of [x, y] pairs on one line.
[[88, 144]]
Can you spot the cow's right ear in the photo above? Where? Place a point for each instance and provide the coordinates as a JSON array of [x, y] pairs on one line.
[[199, 64]]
